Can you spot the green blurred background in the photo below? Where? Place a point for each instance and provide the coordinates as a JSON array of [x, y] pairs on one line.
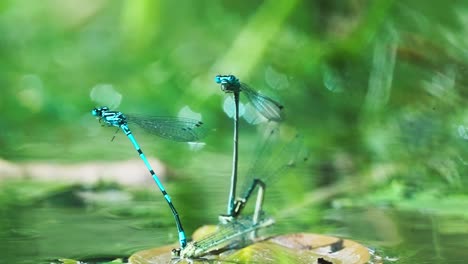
[[377, 88]]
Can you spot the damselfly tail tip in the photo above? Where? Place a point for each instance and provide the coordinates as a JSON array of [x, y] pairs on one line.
[[176, 252], [225, 219]]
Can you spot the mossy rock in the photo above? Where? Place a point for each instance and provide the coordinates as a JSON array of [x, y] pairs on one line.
[[290, 248]]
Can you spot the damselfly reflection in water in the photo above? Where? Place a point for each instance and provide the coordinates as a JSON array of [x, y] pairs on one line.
[[173, 128], [267, 107]]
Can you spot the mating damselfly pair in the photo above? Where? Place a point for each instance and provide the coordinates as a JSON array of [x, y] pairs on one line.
[[190, 130], [272, 160]]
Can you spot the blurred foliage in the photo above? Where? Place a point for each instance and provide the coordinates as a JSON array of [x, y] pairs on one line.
[[378, 88], [367, 82]]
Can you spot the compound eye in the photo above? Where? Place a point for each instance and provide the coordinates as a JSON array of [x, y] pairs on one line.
[[231, 78], [218, 79]]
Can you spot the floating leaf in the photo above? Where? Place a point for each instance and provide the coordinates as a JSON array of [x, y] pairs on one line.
[[291, 248]]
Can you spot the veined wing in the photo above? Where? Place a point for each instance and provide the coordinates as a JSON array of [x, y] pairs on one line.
[[174, 128], [275, 157], [266, 106], [227, 234]]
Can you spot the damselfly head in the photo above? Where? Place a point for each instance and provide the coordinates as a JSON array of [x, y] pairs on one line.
[[229, 83], [98, 111], [218, 79], [231, 79]]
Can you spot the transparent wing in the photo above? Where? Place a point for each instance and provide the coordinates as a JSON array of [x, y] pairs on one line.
[[274, 158], [174, 128], [266, 106], [224, 234], [229, 233], [264, 150], [230, 109]]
